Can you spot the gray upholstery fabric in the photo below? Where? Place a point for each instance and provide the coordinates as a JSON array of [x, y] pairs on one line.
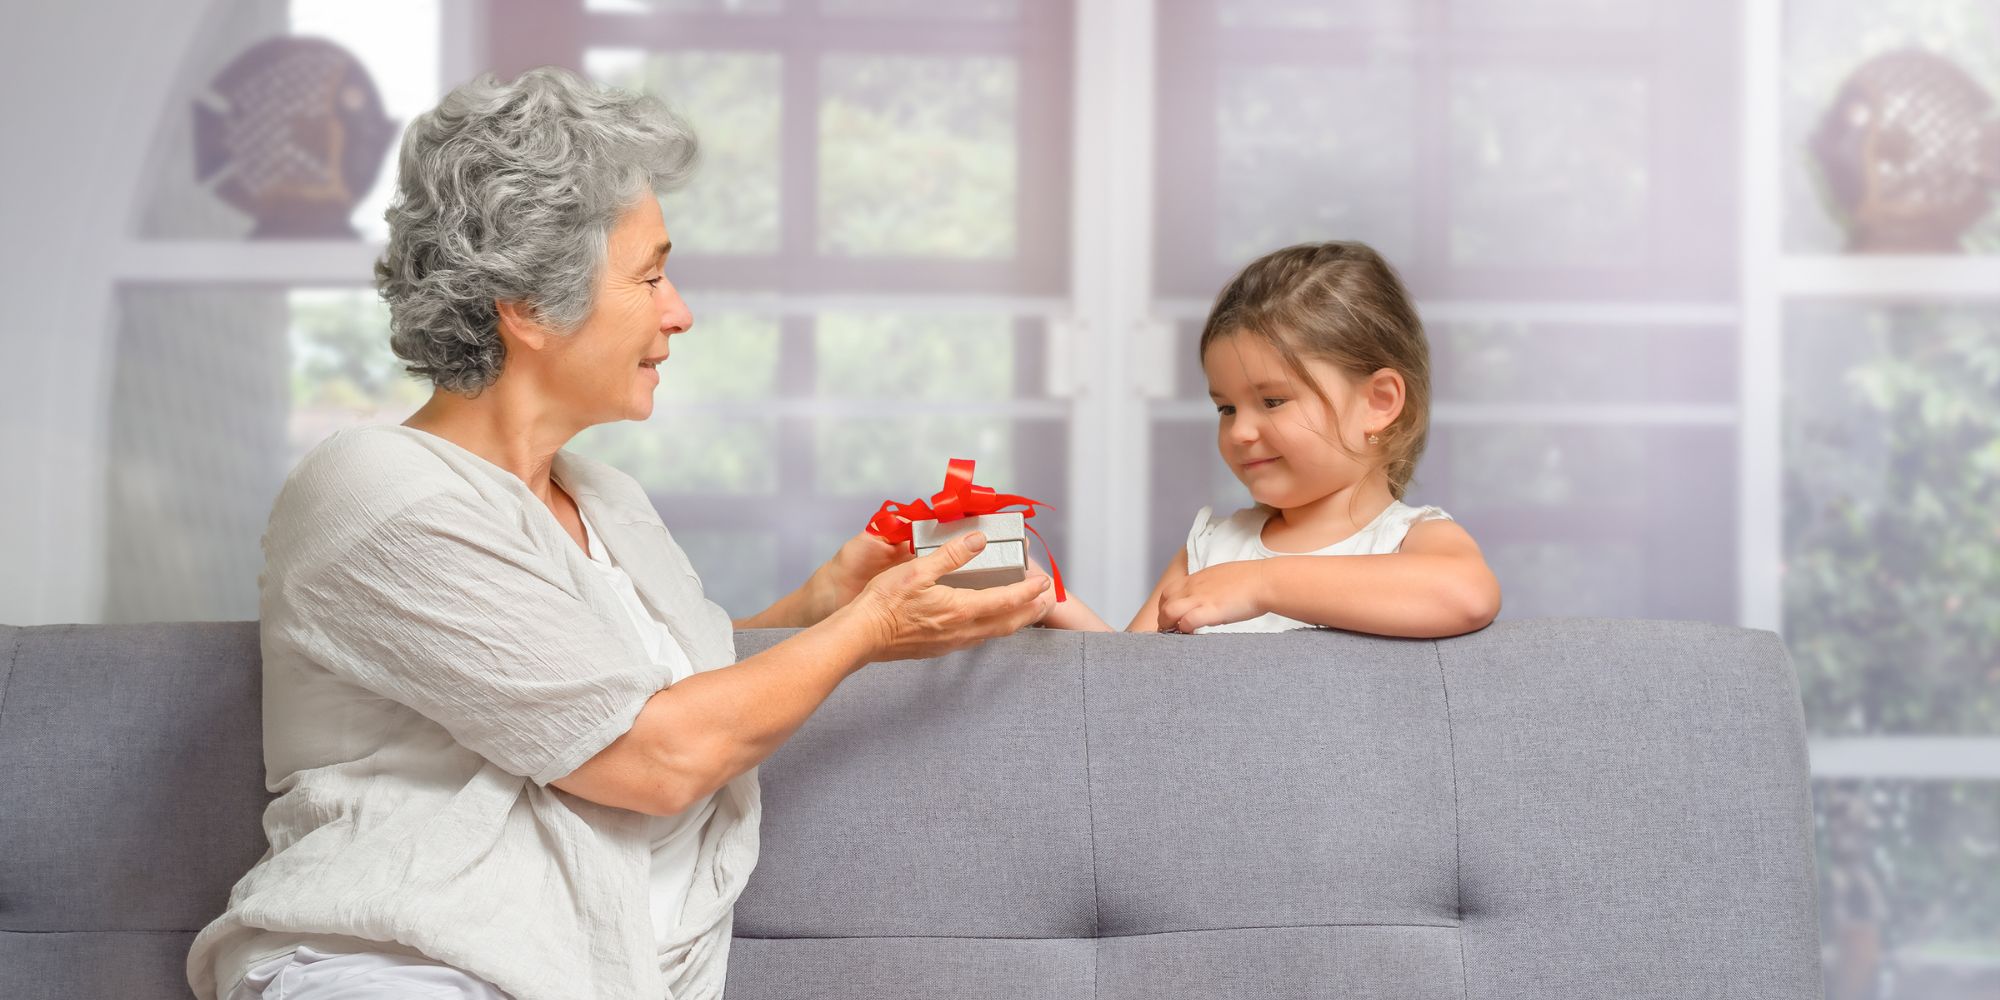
[[1634, 811], [134, 776], [1542, 809], [1230, 796], [901, 968], [934, 799], [1355, 961], [93, 965]]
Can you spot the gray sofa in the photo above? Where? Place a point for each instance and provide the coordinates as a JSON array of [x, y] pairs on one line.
[[1543, 809]]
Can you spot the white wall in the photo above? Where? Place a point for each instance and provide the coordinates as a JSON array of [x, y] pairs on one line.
[[86, 80]]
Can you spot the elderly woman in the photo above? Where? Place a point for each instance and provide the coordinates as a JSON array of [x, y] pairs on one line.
[[512, 746]]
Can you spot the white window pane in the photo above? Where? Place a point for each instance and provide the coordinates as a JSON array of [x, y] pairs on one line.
[[1562, 15], [917, 156], [343, 373], [1319, 153], [891, 458], [1188, 474], [684, 6], [1892, 548], [1537, 364], [1548, 169], [1315, 14], [965, 10], [682, 451], [724, 356], [1570, 579], [397, 41], [738, 569], [1536, 466], [196, 450], [1908, 904], [732, 100], [915, 356], [702, 438], [1625, 521]]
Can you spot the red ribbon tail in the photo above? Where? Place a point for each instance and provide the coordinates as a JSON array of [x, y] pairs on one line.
[[1055, 572]]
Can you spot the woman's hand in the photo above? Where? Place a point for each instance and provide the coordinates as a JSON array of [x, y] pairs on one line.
[[860, 559], [1223, 593], [911, 616]]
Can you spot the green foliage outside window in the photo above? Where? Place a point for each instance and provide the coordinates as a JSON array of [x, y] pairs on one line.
[[1892, 593]]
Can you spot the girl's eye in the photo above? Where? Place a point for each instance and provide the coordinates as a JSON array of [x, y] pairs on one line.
[[1272, 403], [1225, 410]]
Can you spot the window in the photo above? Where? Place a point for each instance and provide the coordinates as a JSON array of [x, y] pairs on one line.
[[1663, 385], [873, 248], [1548, 184]]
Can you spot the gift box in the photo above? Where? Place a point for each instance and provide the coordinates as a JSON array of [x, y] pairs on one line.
[[1004, 560], [963, 507]]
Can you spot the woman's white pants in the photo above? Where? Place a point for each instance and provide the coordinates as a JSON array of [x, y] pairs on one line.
[[306, 974]]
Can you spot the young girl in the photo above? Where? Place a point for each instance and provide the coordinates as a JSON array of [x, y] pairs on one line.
[[1321, 380]]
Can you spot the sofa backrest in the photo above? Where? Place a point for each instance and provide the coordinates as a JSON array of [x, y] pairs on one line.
[[1543, 809]]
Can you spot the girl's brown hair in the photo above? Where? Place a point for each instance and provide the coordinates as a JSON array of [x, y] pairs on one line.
[[1341, 303]]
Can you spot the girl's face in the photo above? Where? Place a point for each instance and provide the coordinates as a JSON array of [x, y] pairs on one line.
[[1287, 445]]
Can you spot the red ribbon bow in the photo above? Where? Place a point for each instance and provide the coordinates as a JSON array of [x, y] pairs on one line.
[[960, 498]]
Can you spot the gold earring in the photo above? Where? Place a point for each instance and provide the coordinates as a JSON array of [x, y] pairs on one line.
[[1374, 439]]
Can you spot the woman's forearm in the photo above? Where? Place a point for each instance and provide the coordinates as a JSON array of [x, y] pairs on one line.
[[1400, 594], [693, 737], [725, 722]]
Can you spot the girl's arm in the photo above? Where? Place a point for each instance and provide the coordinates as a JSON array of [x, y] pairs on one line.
[[1438, 585], [859, 560], [1148, 618], [1077, 616]]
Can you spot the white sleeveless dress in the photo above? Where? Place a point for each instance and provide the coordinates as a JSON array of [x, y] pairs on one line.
[[1239, 537]]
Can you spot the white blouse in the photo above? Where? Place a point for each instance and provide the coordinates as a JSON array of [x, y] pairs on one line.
[[1240, 536], [436, 650], [676, 839]]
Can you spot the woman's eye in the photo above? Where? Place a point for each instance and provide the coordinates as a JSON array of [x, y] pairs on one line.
[[655, 280]]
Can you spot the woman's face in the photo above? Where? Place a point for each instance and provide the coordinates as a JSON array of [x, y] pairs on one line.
[[607, 369]]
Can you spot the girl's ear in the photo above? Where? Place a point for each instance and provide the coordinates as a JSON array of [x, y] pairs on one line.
[[518, 326], [1383, 392]]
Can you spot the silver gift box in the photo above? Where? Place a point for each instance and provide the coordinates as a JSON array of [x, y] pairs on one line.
[[1004, 560]]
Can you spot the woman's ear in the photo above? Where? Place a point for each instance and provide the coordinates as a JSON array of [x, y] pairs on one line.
[[1384, 393], [518, 326]]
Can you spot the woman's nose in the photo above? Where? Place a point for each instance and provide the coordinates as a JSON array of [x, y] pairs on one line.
[[675, 317]]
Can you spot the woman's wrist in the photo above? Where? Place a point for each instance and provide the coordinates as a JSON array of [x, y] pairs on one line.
[[860, 628]]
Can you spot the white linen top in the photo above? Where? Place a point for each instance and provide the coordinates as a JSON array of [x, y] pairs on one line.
[[1240, 536], [436, 650], [677, 838]]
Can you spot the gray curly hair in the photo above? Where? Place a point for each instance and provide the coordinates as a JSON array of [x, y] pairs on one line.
[[509, 192]]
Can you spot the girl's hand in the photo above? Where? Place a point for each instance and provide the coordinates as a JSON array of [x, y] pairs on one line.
[[911, 616], [1071, 614], [859, 560], [1224, 593]]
